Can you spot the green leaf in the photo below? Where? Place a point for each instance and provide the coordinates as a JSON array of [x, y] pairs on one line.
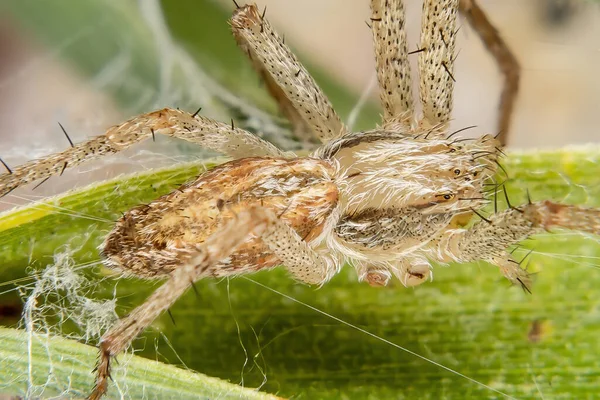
[[61, 367], [467, 319]]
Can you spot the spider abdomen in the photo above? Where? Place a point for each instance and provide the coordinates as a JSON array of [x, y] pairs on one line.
[[152, 240]]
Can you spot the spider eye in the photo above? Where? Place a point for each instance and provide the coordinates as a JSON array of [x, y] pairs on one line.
[[457, 171], [446, 196], [475, 173], [452, 150]]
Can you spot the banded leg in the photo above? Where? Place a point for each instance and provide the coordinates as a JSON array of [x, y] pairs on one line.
[[391, 57], [436, 61], [203, 131], [489, 239], [272, 58], [507, 62]]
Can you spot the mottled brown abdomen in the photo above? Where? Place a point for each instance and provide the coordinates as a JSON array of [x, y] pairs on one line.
[[152, 240]]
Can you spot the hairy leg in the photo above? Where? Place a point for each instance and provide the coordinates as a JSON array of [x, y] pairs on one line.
[[489, 239], [297, 92], [302, 261], [214, 249], [507, 62], [300, 127], [203, 131], [391, 56], [436, 61]]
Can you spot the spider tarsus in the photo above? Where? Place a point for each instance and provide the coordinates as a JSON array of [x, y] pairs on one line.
[[103, 370], [196, 113], [6, 166], [66, 134]]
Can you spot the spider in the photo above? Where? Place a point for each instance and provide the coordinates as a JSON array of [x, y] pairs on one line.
[[389, 201]]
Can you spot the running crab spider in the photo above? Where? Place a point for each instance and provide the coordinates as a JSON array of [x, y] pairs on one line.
[[386, 200]]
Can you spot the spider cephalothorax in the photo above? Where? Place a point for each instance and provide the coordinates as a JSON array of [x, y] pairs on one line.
[[401, 189], [386, 200]]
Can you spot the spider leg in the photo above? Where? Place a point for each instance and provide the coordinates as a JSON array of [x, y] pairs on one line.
[[290, 83], [213, 135], [507, 62], [436, 61], [300, 127], [489, 239], [391, 57], [302, 261], [218, 246]]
